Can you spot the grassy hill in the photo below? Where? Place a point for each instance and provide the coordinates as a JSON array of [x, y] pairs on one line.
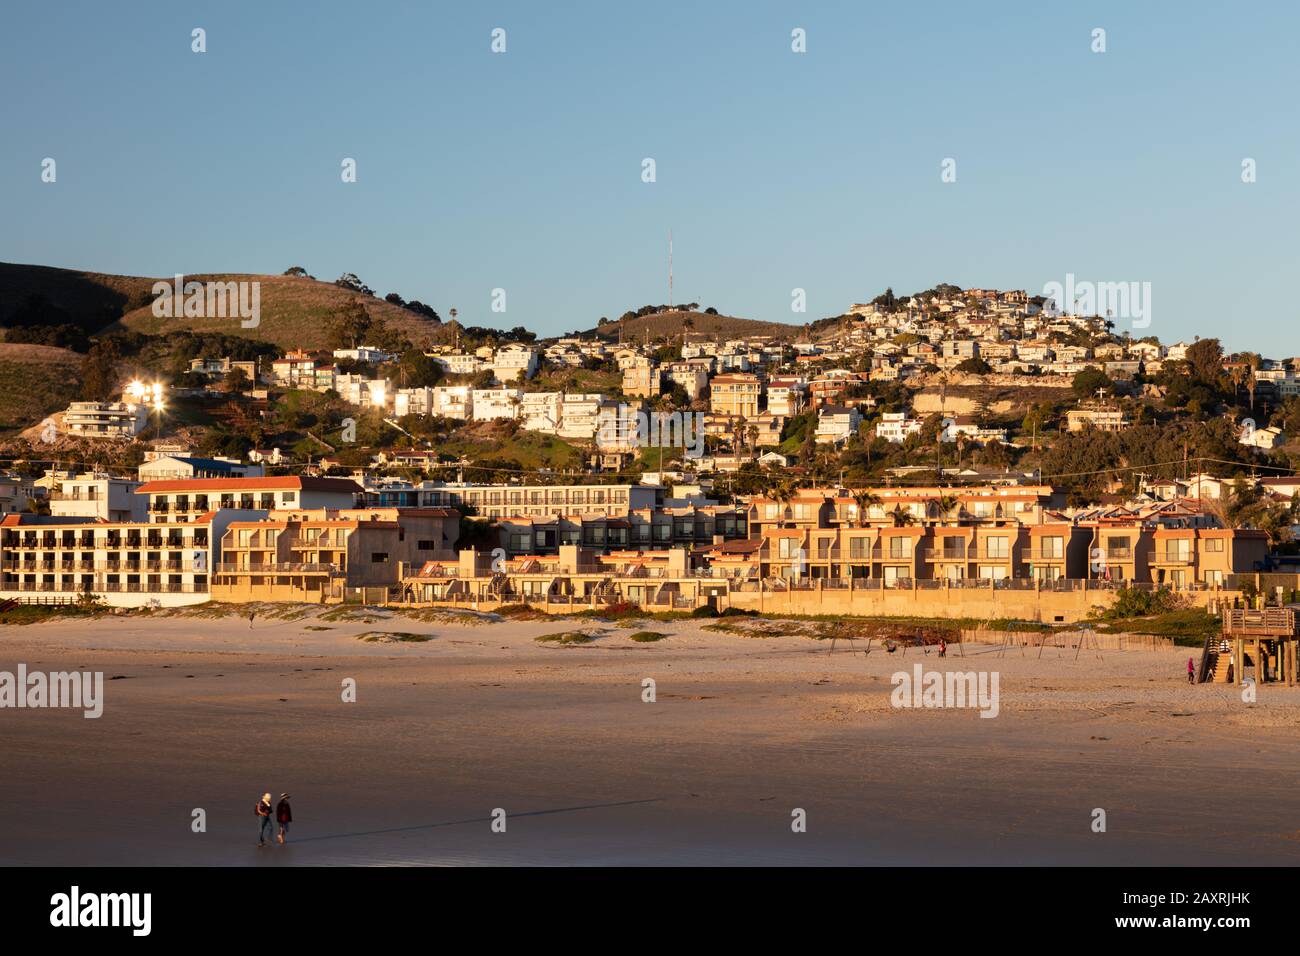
[[668, 324], [35, 380], [295, 311]]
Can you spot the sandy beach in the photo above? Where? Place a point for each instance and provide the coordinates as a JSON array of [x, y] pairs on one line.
[[204, 712]]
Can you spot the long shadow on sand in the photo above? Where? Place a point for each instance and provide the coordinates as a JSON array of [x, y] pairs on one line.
[[488, 819]]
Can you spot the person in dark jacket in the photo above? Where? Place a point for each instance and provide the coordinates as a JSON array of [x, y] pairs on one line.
[[263, 811], [283, 816]]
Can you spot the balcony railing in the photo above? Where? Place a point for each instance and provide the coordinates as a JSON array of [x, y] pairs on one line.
[[282, 567], [72, 587]]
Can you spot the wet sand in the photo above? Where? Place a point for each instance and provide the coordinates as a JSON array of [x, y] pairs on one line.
[[208, 714]]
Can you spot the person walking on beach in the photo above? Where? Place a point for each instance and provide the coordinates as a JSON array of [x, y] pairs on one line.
[[283, 816], [263, 811], [1191, 671], [251, 615], [943, 647]]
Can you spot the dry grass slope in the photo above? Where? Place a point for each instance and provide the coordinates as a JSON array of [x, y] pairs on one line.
[[668, 324], [35, 380], [295, 313]]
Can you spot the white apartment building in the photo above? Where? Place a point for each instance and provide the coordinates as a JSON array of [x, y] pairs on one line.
[[189, 467], [413, 401], [1104, 419], [896, 426], [514, 362], [540, 411], [366, 392], [691, 376], [365, 353], [182, 502], [97, 496], [452, 401], [458, 363], [124, 564], [578, 415], [105, 419], [494, 403]]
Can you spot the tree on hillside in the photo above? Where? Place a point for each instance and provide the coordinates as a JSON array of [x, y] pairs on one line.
[[350, 326], [419, 308], [298, 272], [1205, 361], [236, 381], [1089, 380], [349, 280], [974, 366], [417, 370], [100, 376]]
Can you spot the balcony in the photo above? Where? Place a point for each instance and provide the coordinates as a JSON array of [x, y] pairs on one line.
[[1170, 558], [1044, 557], [945, 554], [282, 567]]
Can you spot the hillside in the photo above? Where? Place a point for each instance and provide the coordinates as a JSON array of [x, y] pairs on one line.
[[35, 381], [295, 311], [91, 299], [668, 324]]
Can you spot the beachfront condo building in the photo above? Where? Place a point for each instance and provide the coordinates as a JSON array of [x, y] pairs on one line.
[[515, 501], [326, 555], [122, 563], [181, 500]]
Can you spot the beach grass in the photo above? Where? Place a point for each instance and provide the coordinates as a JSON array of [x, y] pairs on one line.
[[565, 638]]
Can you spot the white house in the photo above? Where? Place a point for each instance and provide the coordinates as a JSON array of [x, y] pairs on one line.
[[540, 411], [836, 424], [494, 403], [105, 419], [452, 401], [514, 362], [896, 426], [578, 413]]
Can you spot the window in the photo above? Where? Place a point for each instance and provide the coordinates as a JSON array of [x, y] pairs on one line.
[[996, 547], [1053, 548], [899, 547], [426, 544], [1214, 544], [859, 547], [378, 557]]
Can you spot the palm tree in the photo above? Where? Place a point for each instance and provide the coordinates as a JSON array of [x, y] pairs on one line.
[[863, 500], [782, 494], [1253, 363], [902, 517]]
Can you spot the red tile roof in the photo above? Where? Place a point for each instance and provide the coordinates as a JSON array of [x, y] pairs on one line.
[[285, 483]]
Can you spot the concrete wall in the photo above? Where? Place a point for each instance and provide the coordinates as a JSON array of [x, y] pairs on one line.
[[980, 603]]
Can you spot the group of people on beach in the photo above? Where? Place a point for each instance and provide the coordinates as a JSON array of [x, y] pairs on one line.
[[283, 816]]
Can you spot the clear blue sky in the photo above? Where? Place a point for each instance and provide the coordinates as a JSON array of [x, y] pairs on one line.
[[775, 170]]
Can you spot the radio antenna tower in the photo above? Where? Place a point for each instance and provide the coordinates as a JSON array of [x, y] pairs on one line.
[[670, 268]]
